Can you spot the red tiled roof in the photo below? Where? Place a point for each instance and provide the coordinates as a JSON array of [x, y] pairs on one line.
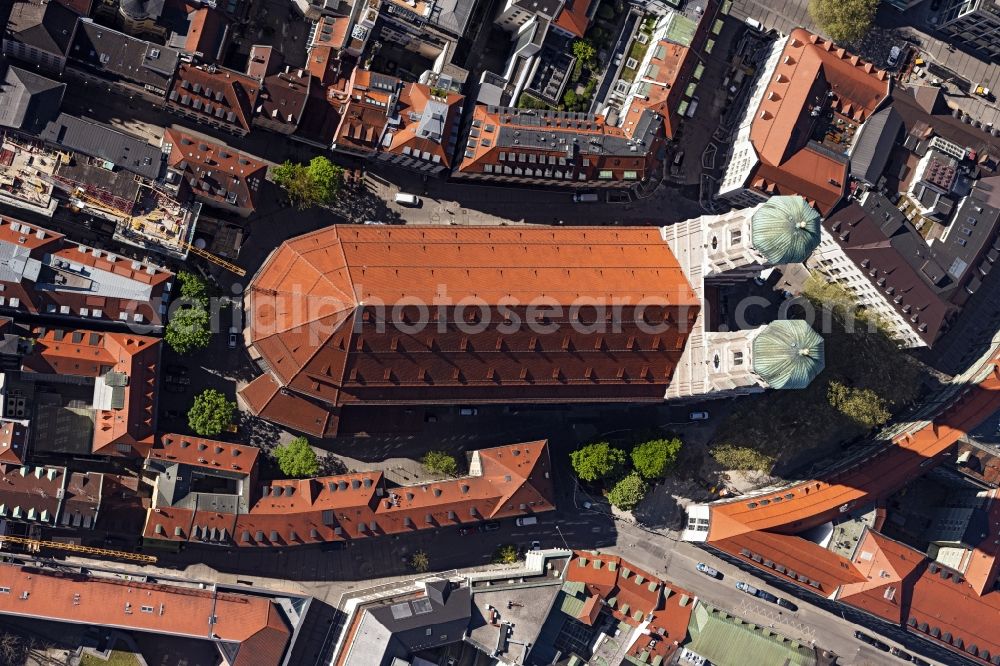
[[626, 590], [41, 242], [189, 612], [810, 68], [667, 78], [984, 564], [896, 582], [514, 481], [13, 441], [365, 114], [404, 138], [308, 295], [208, 453], [205, 32], [91, 354], [225, 177], [573, 17], [223, 95], [283, 98], [331, 32]]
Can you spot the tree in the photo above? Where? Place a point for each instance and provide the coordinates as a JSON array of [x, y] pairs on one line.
[[861, 405], [584, 52], [846, 21], [193, 288], [313, 184], [652, 459], [506, 554], [628, 492], [742, 458], [570, 100], [597, 461], [440, 462], [211, 413], [297, 458], [188, 330], [420, 562], [606, 12]]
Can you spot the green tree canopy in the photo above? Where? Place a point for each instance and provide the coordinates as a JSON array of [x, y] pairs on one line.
[[861, 405], [211, 413], [652, 459], [297, 458], [742, 458], [420, 562], [506, 554], [584, 50], [440, 462], [313, 184], [188, 330], [597, 461], [628, 492], [193, 288], [846, 21]]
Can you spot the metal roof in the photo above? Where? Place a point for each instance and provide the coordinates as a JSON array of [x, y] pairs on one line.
[[785, 229], [872, 148], [788, 354], [103, 142]]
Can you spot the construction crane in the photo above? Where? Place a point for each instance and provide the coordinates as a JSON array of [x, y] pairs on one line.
[[35, 545], [214, 258]]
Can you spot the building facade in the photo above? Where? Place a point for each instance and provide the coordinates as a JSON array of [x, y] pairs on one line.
[[974, 24]]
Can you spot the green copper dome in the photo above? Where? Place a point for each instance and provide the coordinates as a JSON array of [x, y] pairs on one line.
[[788, 354], [785, 230]]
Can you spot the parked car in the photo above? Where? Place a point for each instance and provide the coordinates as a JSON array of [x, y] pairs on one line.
[[707, 570], [747, 587], [785, 603], [489, 527], [526, 520], [919, 662], [698, 416], [874, 642], [468, 411], [896, 652], [586, 197], [536, 545], [894, 54], [767, 596], [233, 340], [407, 199]]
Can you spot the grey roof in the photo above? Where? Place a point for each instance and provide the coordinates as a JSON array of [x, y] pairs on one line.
[[124, 56], [788, 354], [871, 150], [103, 142], [28, 100], [142, 9], [47, 26], [549, 8], [785, 229], [432, 120], [549, 137], [452, 15], [399, 629], [969, 234]]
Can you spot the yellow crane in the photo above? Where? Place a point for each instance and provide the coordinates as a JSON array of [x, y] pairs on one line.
[[214, 258], [35, 545]]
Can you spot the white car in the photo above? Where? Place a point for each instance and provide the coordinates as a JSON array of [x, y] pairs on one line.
[[894, 54], [707, 570], [698, 416]]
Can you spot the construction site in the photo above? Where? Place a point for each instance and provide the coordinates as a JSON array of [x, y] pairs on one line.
[[25, 169], [145, 216]]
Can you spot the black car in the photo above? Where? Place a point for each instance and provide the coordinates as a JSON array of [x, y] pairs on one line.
[[874, 642], [905, 656], [785, 603], [767, 596], [489, 527]]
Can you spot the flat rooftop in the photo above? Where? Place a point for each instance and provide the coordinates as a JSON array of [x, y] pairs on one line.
[[529, 606]]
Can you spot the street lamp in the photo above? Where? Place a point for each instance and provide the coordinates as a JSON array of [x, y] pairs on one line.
[[562, 537]]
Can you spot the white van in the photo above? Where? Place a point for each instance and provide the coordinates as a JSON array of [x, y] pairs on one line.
[[407, 199], [527, 520], [754, 23], [586, 197]]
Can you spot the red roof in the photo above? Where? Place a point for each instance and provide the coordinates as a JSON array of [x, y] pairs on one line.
[[415, 101], [162, 608], [809, 69], [225, 177], [13, 441], [208, 453], [666, 78], [573, 17], [513, 480], [317, 327], [124, 431], [216, 94], [884, 577], [365, 114]]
